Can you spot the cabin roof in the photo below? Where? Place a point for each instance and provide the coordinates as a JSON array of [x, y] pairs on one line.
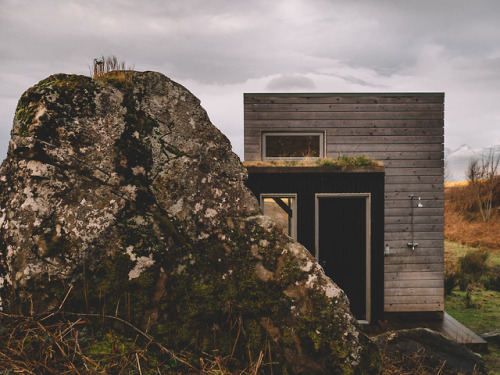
[[322, 94]]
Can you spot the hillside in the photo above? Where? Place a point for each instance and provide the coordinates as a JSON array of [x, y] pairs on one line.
[[464, 225], [458, 159]]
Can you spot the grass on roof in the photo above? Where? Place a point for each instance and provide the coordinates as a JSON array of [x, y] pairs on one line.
[[341, 161]]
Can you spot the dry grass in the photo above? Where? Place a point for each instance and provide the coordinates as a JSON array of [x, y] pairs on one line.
[[464, 226], [69, 343], [449, 184], [410, 365], [110, 66]]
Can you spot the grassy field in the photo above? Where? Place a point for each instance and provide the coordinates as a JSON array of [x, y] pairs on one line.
[[476, 308], [480, 311], [465, 232], [454, 250]]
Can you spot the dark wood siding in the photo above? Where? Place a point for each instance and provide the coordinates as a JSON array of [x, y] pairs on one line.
[[306, 185], [406, 133]]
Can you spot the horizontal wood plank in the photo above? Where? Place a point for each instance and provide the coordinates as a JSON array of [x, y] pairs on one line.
[[400, 276], [414, 179], [414, 259], [413, 267], [399, 166], [417, 219], [427, 235], [421, 251], [380, 144], [372, 131], [344, 98], [414, 292], [397, 300], [286, 124], [398, 155], [387, 139], [397, 307], [422, 241], [423, 211], [424, 283], [426, 196], [415, 189], [343, 107], [392, 201], [398, 228], [413, 115], [425, 168]]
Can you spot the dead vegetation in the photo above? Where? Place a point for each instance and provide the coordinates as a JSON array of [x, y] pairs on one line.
[[411, 365], [464, 222], [70, 343], [483, 185], [110, 67], [472, 207]]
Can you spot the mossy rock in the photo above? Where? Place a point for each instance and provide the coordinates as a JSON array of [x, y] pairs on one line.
[[119, 198]]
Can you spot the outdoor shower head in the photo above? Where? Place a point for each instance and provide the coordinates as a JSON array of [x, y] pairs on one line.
[[419, 205]]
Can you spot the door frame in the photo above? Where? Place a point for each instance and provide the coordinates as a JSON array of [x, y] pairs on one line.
[[368, 262]]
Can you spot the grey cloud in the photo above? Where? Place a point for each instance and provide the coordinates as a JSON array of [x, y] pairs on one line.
[[291, 82], [220, 43]]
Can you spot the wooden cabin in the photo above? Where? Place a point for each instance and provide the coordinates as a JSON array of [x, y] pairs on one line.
[[377, 231]]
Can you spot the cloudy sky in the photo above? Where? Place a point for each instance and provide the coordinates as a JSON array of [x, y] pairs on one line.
[[222, 48]]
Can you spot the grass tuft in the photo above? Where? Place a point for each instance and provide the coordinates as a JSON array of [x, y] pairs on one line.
[[339, 162], [110, 68]]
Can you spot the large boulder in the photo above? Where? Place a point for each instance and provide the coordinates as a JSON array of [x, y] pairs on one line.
[[119, 197]]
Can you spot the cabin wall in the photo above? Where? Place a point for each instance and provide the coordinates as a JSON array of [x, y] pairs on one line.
[[406, 133]]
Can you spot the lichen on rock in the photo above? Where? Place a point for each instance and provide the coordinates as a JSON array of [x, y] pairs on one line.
[[125, 191]]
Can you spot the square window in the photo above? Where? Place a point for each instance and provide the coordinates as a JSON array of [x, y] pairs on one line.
[[292, 145], [283, 209]]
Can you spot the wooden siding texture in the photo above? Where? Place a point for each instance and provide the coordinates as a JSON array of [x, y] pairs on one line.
[[406, 133]]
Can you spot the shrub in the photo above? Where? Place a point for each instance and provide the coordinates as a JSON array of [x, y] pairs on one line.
[[473, 267], [470, 303], [450, 282], [474, 263], [492, 280], [463, 281]]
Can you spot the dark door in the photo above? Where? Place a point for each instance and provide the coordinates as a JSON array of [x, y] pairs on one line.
[[341, 246]]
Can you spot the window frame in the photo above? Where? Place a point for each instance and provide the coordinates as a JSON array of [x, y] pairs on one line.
[[322, 147], [294, 208]]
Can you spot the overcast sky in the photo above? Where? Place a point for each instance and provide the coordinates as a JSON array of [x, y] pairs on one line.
[[221, 49]]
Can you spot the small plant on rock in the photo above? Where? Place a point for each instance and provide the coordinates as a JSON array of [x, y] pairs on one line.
[[105, 65]]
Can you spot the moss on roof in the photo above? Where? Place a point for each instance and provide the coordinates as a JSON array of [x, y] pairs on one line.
[[340, 161]]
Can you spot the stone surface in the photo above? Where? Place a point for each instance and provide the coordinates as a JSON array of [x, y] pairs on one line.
[[435, 350], [122, 190], [493, 336]]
